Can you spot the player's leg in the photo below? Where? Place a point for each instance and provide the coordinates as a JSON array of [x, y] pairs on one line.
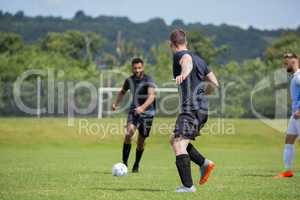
[[288, 156], [195, 155], [183, 163], [139, 152], [289, 152], [130, 129], [183, 133], [205, 166], [144, 128]]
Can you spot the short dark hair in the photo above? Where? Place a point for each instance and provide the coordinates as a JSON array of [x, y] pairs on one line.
[[178, 37], [136, 61], [290, 55]]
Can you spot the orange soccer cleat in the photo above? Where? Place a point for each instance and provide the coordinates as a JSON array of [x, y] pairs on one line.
[[206, 171], [286, 174]]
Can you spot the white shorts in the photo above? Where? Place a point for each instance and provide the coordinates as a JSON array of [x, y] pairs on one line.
[[294, 126]]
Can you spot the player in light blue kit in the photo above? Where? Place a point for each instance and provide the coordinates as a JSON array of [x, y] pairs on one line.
[[291, 64]]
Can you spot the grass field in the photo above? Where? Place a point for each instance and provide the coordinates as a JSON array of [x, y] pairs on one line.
[[46, 159]]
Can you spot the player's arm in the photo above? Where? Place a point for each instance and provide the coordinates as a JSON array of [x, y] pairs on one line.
[[212, 82], [150, 99], [186, 64], [120, 95], [211, 77], [118, 100], [297, 113]]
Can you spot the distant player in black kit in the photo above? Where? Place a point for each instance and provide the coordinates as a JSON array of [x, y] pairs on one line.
[[141, 112], [191, 73]]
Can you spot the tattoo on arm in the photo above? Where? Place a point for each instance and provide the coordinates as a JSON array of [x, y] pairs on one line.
[[186, 63]]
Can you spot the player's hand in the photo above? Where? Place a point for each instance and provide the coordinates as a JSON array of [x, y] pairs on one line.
[[179, 79], [297, 114], [114, 107], [139, 110], [209, 88]]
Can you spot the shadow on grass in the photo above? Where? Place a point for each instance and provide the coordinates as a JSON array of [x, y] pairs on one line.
[[258, 175], [94, 172], [105, 172], [128, 189]]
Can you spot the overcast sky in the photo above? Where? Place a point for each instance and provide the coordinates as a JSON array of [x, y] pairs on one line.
[[263, 14]]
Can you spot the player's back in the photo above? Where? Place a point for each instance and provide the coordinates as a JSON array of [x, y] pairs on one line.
[[192, 89]]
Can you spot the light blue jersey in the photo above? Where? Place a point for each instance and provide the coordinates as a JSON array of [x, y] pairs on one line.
[[295, 91]]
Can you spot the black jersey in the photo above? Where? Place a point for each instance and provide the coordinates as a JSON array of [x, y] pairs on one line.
[[139, 90], [192, 89]]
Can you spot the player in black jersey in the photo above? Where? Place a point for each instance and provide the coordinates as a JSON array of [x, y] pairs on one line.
[[141, 111], [192, 76]]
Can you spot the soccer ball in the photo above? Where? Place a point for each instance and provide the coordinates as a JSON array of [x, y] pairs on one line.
[[119, 169]]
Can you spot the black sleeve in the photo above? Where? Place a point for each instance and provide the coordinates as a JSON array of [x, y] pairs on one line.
[[150, 82], [126, 85], [205, 68]]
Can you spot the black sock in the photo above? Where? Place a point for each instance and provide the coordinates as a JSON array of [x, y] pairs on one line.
[[138, 156], [126, 151], [195, 156], [183, 164]]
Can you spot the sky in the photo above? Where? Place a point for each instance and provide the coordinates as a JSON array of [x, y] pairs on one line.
[[262, 14]]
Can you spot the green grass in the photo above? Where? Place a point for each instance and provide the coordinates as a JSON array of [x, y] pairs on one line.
[[46, 159]]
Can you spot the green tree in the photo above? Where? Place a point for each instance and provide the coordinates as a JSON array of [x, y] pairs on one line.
[[237, 82], [288, 42], [204, 46], [161, 69], [10, 42], [78, 45], [126, 51]]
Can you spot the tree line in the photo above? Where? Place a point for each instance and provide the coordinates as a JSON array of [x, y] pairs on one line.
[[121, 33], [77, 55]]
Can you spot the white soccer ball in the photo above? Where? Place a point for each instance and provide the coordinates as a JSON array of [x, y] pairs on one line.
[[119, 169]]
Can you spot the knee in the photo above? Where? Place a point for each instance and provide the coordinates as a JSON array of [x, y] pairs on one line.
[[140, 146], [141, 142], [179, 152], [290, 139], [178, 147], [128, 137]]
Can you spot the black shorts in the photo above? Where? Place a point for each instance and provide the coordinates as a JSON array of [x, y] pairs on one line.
[[188, 124], [143, 122]]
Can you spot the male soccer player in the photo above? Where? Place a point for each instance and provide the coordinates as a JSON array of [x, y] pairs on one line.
[[141, 112], [291, 64], [190, 72]]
